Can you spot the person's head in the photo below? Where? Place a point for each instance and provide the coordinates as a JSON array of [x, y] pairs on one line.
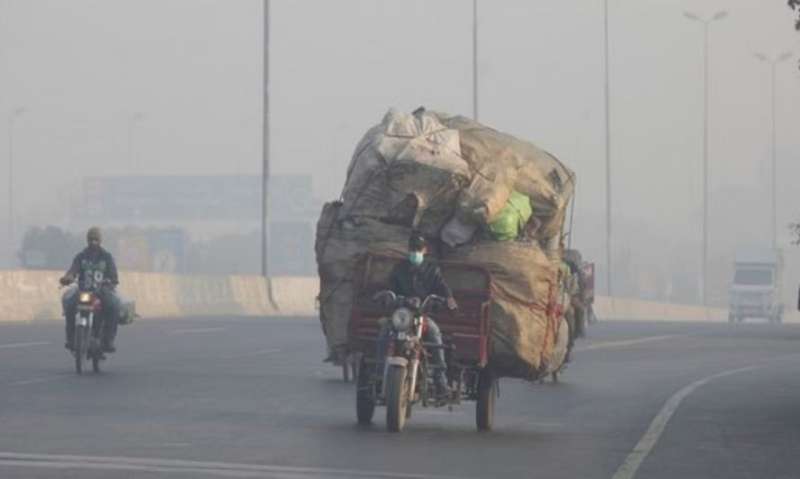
[[94, 237], [417, 248]]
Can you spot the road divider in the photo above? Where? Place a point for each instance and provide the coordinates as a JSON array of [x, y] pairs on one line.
[[34, 295]]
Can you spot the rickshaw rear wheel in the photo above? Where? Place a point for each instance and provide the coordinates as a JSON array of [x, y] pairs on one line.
[[365, 395], [487, 393]]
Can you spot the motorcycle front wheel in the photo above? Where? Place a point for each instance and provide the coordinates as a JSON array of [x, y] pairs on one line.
[[396, 398], [80, 346]]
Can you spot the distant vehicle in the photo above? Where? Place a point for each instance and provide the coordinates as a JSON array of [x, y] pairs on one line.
[[757, 285]]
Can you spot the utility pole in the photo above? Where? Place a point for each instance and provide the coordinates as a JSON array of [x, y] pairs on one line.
[[12, 118], [607, 96], [773, 63], [475, 60], [704, 261], [265, 153]]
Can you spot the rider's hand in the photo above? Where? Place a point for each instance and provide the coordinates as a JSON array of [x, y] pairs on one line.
[[65, 280], [451, 304]]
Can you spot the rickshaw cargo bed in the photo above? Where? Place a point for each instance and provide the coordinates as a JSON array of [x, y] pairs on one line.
[[528, 335]]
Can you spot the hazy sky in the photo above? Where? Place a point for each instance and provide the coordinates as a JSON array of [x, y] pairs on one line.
[[81, 68]]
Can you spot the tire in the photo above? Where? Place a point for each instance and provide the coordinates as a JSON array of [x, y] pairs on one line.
[[346, 370], [487, 393], [355, 366], [396, 399], [95, 363], [365, 398], [80, 348]]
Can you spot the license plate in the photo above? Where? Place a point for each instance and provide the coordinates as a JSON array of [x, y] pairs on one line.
[[82, 321]]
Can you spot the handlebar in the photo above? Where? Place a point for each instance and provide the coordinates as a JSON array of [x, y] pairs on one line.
[[391, 299], [67, 281]]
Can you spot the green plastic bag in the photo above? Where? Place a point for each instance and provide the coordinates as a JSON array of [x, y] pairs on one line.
[[512, 218]]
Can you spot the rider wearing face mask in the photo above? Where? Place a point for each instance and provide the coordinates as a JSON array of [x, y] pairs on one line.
[[93, 265], [418, 278]]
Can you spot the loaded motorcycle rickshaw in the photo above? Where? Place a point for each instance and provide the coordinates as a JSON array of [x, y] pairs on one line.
[[403, 379]]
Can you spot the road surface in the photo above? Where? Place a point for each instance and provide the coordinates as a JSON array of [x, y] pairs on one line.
[[231, 397]]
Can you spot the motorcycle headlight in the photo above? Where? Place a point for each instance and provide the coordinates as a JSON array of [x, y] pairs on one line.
[[85, 297], [402, 319]]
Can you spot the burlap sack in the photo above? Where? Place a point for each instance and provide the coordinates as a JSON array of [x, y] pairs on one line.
[[524, 322], [406, 155], [340, 243], [520, 166]]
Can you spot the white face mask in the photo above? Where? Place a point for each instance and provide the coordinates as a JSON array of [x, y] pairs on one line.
[[416, 257]]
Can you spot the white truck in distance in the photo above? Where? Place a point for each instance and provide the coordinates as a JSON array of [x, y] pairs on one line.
[[757, 285]]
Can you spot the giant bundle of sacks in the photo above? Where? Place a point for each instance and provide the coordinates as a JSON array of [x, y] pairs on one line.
[[484, 198]]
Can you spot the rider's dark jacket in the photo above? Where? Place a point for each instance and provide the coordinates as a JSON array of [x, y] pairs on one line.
[[418, 281], [92, 266]]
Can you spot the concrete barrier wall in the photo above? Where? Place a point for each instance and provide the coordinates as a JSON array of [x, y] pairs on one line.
[[631, 309], [35, 295], [621, 309]]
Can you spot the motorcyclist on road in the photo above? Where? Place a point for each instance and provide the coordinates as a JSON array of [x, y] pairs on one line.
[[93, 266], [419, 277]]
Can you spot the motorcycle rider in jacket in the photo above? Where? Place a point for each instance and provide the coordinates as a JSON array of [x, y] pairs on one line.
[[93, 265], [419, 277]]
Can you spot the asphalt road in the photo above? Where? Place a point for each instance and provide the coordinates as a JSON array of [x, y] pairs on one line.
[[251, 398]]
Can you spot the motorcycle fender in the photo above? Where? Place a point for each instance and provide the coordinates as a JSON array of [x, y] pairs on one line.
[[397, 361], [82, 321]]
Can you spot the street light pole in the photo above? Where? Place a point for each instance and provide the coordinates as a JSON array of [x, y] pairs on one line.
[[475, 60], [265, 152], [773, 63], [607, 95], [12, 117], [704, 261]]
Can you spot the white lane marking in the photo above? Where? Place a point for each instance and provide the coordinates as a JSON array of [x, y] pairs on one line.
[[251, 354], [223, 469], [43, 379], [628, 342], [24, 345], [197, 330], [646, 444]]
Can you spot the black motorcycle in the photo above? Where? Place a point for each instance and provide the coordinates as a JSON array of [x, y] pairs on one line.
[[89, 324]]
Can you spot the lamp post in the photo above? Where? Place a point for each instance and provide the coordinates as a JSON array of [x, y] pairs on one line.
[[475, 60], [265, 151], [773, 63], [704, 261], [607, 99], [12, 118]]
